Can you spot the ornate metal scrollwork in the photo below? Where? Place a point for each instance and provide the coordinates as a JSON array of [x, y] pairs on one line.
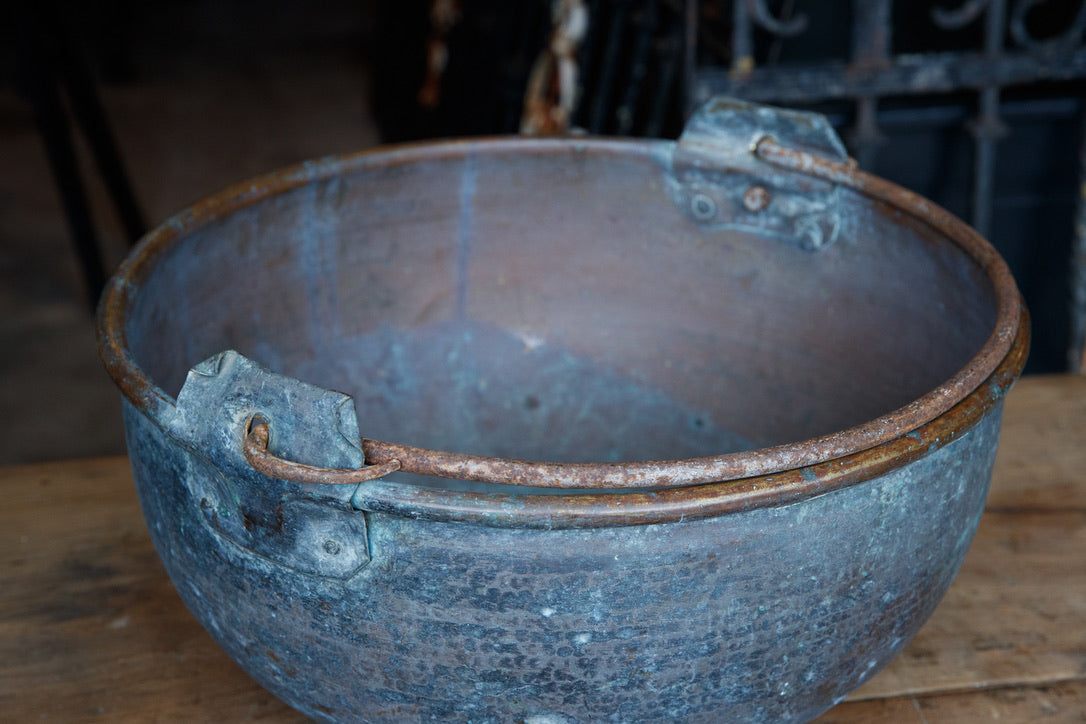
[[959, 17], [1020, 29], [760, 14]]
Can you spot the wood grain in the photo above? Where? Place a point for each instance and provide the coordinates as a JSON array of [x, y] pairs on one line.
[[1017, 610], [1041, 463], [1055, 703], [91, 628]]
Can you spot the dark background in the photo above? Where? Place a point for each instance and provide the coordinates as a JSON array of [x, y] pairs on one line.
[[200, 94]]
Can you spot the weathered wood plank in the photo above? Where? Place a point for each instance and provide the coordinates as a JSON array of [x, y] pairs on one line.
[[1016, 613], [1056, 703], [90, 625], [1041, 463]]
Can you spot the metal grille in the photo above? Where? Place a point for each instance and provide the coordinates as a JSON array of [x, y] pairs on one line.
[[985, 65], [976, 104]]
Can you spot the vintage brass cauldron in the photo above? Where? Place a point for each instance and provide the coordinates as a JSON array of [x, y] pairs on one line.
[[628, 430]]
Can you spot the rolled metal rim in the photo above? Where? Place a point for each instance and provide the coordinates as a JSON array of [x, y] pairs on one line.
[[978, 385]]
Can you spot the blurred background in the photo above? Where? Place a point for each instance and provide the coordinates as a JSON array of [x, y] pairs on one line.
[[116, 114]]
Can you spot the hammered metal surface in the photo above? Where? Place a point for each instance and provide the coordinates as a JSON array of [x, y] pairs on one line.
[[769, 615]]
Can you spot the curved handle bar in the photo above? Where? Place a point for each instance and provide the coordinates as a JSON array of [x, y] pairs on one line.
[[263, 461]]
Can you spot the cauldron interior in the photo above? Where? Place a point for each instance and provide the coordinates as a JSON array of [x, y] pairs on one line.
[[549, 301]]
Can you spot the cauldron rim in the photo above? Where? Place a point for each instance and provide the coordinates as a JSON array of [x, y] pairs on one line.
[[661, 490]]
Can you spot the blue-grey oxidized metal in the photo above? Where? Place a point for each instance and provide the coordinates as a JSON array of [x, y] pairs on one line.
[[568, 430]]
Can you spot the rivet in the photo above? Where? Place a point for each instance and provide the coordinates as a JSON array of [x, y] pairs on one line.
[[703, 207], [331, 547], [756, 198]]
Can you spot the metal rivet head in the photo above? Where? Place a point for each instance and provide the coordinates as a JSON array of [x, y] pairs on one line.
[[331, 547], [702, 207], [756, 198]]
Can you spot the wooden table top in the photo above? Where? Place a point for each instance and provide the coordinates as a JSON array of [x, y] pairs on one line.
[[90, 626]]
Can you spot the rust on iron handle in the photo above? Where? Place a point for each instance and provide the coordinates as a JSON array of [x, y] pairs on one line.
[[637, 506], [697, 502], [263, 461], [660, 474], [1007, 333]]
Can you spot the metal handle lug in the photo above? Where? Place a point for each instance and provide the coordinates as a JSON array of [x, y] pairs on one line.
[[305, 526], [718, 178]]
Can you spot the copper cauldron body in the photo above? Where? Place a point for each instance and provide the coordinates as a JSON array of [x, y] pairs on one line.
[[566, 430]]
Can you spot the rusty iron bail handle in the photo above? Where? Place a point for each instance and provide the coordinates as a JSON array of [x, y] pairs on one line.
[[263, 461], [725, 467]]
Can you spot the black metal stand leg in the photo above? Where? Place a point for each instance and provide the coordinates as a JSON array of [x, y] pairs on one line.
[[53, 126], [92, 119], [46, 67]]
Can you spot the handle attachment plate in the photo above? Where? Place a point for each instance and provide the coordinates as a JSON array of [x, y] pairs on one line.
[[308, 527], [718, 179]]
